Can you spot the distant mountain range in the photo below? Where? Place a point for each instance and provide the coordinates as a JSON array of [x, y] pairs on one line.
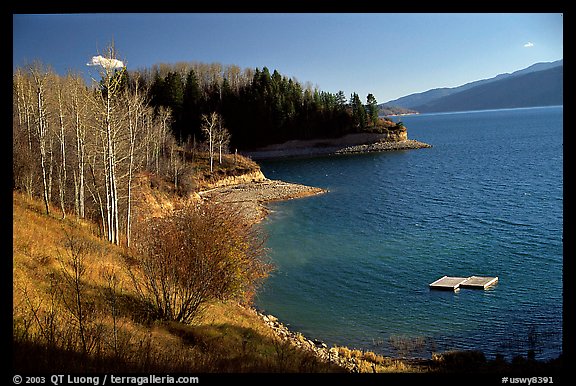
[[538, 85]]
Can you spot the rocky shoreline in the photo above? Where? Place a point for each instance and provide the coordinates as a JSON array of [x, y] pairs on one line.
[[383, 146], [314, 346], [350, 360]]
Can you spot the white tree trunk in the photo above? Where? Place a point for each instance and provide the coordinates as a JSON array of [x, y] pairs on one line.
[[80, 150], [62, 172], [41, 132]]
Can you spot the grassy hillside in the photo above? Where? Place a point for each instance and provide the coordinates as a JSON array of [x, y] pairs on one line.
[[119, 335]]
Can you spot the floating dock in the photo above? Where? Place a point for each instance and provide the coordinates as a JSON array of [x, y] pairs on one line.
[[479, 282], [448, 283], [451, 283]]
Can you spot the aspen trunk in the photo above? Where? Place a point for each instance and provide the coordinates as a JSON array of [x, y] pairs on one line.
[[80, 153], [41, 133], [62, 171]]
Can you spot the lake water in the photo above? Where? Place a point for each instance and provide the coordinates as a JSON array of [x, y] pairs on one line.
[[353, 265]]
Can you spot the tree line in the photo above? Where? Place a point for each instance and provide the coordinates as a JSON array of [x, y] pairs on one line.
[[257, 107]]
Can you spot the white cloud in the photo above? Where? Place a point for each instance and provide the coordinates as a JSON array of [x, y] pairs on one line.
[[528, 45], [105, 62]]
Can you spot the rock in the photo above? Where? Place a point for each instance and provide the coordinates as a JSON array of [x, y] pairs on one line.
[[319, 343]]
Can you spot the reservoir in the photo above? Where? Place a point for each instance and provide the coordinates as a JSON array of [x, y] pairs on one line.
[[353, 265]]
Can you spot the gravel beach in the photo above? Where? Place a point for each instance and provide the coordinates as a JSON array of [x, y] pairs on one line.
[[249, 199]]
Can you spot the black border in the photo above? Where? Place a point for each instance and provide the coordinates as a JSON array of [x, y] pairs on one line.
[[324, 6]]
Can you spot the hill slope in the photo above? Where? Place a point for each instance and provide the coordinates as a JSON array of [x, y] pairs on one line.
[[426, 97], [541, 88], [118, 336]]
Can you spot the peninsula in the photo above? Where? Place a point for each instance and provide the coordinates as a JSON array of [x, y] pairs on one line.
[[348, 144], [383, 136]]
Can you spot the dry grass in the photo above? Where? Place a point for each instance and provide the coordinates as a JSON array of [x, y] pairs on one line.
[[232, 165], [118, 334], [370, 362], [155, 196]]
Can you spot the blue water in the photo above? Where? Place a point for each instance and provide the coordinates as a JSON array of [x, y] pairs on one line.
[[353, 265]]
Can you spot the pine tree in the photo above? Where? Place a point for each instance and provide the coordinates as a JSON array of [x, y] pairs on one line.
[[340, 100], [359, 117], [372, 107], [192, 102]]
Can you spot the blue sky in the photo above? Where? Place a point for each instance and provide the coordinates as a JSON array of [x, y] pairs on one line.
[[388, 55]]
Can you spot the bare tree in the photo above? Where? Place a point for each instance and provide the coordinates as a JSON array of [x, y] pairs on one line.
[[77, 107], [24, 165], [176, 162], [222, 139], [136, 110], [216, 78], [233, 74], [111, 74], [110, 292], [93, 187], [23, 92], [161, 134], [40, 76], [73, 268], [61, 135], [209, 128]]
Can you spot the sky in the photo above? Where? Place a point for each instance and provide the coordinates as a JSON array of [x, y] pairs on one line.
[[388, 55]]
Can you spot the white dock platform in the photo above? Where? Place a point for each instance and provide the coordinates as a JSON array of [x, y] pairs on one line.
[[479, 282], [451, 283], [448, 283]]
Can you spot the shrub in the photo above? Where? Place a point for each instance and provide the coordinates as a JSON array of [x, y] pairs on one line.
[[193, 256], [356, 353], [461, 361], [344, 352], [373, 357]]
